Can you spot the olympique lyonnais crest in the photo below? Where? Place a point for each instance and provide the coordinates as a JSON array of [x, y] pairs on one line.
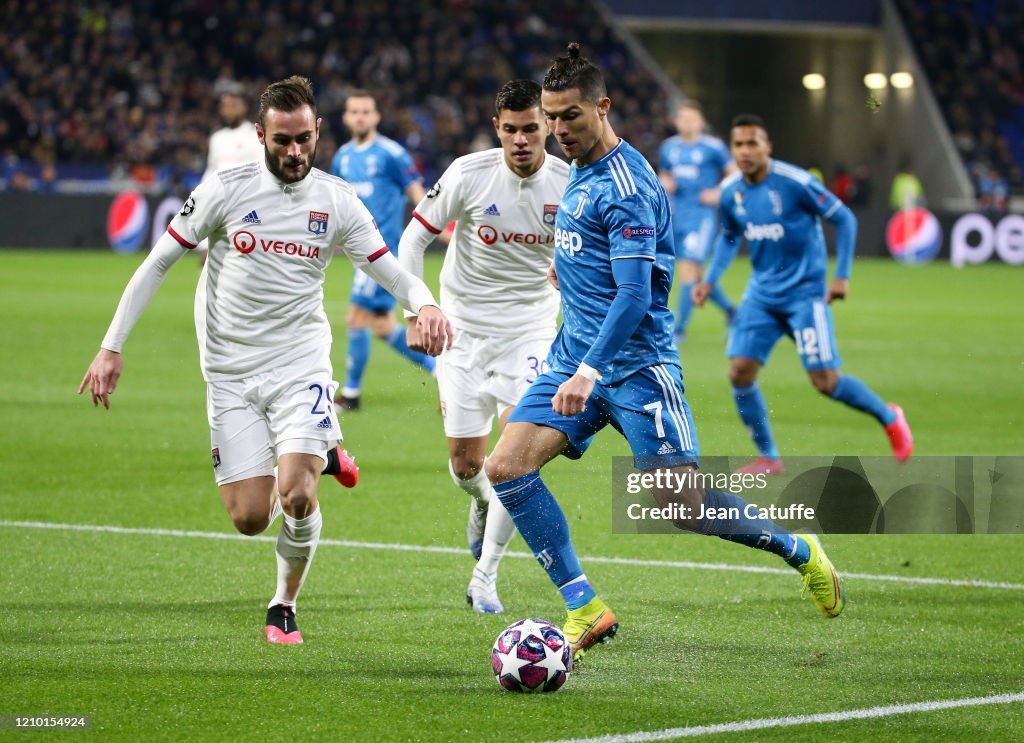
[[550, 210], [318, 223]]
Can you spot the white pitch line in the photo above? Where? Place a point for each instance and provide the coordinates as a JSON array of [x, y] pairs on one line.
[[398, 547], [745, 726]]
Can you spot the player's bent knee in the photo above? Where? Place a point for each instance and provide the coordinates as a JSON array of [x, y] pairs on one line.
[[825, 382], [297, 500], [250, 524], [466, 468], [501, 468]]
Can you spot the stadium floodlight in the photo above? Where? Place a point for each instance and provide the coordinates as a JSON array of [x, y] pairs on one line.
[[901, 80], [875, 81], [814, 81]]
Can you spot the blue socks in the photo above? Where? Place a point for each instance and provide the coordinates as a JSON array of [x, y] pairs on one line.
[[684, 309], [752, 530], [542, 523], [754, 414], [719, 297], [397, 341], [357, 358], [359, 354], [685, 306], [858, 395]]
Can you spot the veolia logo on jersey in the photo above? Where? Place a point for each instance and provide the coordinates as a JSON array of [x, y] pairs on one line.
[[490, 236], [773, 232], [569, 241], [246, 242]]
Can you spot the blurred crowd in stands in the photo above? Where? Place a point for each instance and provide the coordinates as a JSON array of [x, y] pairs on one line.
[[972, 52], [128, 90]]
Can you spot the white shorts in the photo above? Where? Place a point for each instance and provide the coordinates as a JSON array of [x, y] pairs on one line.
[[288, 410], [481, 377]]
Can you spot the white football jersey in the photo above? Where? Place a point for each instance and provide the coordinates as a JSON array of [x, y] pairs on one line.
[[232, 146], [494, 278], [259, 303]]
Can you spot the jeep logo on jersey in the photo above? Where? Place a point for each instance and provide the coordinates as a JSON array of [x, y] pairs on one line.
[[637, 233], [488, 234], [318, 223], [571, 242], [773, 232], [245, 242]]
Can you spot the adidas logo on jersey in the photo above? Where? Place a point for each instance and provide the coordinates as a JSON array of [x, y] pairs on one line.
[[666, 448], [252, 218], [325, 423], [492, 211]]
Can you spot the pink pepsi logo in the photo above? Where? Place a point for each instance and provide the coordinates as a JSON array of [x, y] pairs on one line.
[[127, 221], [913, 236]]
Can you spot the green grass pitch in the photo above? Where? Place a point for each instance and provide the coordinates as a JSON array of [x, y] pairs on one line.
[[160, 636]]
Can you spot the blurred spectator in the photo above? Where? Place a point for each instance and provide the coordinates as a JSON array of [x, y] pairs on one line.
[[971, 52], [128, 86], [991, 188], [842, 184], [906, 191], [861, 188], [19, 181], [815, 170], [47, 181]]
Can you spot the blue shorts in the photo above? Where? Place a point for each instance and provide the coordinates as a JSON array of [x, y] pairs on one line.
[[647, 407], [693, 239], [758, 327], [369, 295]]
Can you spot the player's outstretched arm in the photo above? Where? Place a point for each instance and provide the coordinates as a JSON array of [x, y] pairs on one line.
[[101, 377], [846, 243], [104, 371]]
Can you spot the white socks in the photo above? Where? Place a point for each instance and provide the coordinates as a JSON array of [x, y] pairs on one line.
[[478, 486], [296, 545], [499, 530], [497, 535]]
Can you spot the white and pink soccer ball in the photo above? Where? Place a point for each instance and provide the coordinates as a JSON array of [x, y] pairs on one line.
[[531, 655]]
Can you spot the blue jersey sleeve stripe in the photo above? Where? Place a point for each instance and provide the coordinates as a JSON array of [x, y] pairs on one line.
[[617, 178], [626, 171], [833, 209], [645, 257]]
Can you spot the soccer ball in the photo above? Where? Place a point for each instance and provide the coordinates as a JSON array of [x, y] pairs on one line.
[[531, 655]]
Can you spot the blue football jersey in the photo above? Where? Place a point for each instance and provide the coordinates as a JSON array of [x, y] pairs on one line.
[[694, 166], [379, 172], [780, 218], [613, 208]]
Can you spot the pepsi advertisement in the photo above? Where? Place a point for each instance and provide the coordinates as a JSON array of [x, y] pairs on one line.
[[916, 236]]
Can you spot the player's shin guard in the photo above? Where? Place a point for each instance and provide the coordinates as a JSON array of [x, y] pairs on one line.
[[397, 341], [684, 308], [357, 357], [296, 545], [857, 395], [754, 414], [542, 523], [736, 524]]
